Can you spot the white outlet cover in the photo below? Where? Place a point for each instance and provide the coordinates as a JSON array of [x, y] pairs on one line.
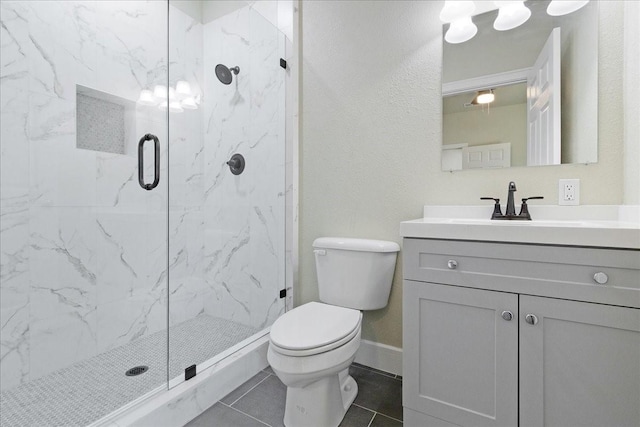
[[569, 192]]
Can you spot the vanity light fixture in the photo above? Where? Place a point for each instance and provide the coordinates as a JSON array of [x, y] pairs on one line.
[[511, 14], [456, 9], [180, 98], [564, 7], [458, 14], [189, 103], [160, 92], [461, 30], [147, 98], [183, 89]]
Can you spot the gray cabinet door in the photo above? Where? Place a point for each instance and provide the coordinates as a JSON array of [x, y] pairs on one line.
[[579, 364], [461, 353]]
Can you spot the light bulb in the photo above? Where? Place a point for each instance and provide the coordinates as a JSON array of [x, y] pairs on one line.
[[147, 98], [461, 30], [189, 103], [511, 14], [160, 92], [456, 9], [174, 107], [485, 97], [183, 89], [564, 7]]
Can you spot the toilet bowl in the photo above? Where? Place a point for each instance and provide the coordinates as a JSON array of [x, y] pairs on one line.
[[315, 367], [312, 346]]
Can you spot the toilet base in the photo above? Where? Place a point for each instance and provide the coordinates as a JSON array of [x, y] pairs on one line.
[[322, 403]]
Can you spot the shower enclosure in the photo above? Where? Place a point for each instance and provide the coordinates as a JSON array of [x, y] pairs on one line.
[[132, 252]]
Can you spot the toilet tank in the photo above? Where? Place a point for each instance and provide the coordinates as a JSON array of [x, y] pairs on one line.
[[355, 273]]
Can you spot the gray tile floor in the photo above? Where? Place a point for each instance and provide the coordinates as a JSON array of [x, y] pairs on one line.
[[260, 402]]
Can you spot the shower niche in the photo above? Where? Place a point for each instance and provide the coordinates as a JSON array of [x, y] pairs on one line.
[[103, 121]]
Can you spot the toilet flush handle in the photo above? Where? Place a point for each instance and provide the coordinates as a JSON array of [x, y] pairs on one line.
[[321, 252]]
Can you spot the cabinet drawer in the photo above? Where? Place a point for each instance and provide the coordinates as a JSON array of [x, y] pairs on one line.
[[553, 271]]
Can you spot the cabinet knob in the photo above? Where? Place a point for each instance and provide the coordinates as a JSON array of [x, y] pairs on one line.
[[507, 315], [531, 319], [452, 264], [601, 277]]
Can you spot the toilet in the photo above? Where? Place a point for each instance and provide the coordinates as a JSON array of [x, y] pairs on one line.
[[312, 346]]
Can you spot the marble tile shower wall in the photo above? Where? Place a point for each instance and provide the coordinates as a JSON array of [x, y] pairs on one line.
[[226, 251], [83, 248], [244, 215]]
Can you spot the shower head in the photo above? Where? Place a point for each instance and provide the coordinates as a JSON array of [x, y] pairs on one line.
[[223, 73]]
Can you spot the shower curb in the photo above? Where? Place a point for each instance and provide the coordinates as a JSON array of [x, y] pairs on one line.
[[182, 403]]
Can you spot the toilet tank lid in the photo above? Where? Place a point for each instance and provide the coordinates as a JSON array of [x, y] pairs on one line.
[[351, 244]]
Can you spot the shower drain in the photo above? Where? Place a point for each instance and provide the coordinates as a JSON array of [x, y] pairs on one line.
[[136, 371]]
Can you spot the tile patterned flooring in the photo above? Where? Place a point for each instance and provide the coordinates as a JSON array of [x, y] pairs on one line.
[[88, 390], [260, 402]]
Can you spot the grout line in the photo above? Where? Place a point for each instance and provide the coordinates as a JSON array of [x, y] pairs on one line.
[[243, 413], [376, 412], [371, 420], [395, 419], [362, 407], [247, 392]]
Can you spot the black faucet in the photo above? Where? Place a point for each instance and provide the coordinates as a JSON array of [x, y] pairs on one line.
[[510, 212], [511, 208]]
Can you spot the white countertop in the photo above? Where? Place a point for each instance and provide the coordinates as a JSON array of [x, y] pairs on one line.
[[596, 226]]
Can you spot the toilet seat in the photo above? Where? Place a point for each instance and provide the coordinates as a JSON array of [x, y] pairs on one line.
[[314, 328]]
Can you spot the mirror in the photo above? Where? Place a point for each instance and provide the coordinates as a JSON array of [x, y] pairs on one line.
[[542, 78]]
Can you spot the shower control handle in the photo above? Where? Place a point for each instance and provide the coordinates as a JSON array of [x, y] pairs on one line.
[[236, 164], [156, 162]]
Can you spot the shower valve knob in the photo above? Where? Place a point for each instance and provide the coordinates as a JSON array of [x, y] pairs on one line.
[[236, 164]]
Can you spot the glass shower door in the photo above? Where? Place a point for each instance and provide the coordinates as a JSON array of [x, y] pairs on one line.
[[83, 234], [227, 183]]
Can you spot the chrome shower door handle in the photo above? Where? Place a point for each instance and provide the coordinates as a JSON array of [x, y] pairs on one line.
[[156, 161]]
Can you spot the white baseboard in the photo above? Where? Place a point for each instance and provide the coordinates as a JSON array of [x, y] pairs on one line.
[[380, 356]]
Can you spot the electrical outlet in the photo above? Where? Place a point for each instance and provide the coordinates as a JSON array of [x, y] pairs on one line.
[[569, 192]]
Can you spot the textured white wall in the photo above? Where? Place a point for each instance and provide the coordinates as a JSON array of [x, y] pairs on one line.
[[371, 132], [370, 106]]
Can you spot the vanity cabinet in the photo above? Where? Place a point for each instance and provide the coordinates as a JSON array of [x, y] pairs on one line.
[[507, 334]]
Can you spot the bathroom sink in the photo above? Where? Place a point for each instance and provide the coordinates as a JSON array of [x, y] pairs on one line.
[[597, 226], [532, 223]]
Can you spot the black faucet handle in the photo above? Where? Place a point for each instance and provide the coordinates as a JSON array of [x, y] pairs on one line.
[[524, 209], [497, 212], [532, 198]]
